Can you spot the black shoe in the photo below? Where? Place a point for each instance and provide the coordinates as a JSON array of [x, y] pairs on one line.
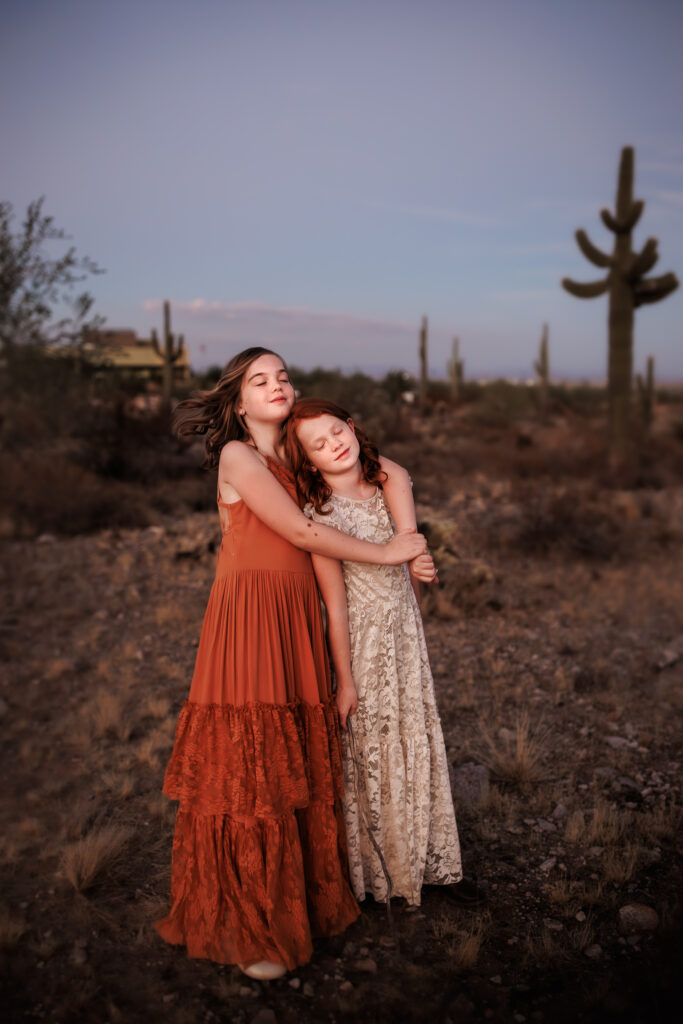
[[467, 892]]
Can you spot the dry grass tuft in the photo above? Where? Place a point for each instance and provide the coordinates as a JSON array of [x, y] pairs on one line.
[[582, 937], [608, 824], [662, 824], [621, 866], [123, 786], [156, 707], [11, 929], [465, 945], [544, 949], [85, 861], [107, 717], [575, 827], [517, 756]]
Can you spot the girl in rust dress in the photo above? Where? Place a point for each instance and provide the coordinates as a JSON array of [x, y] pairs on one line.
[[259, 852]]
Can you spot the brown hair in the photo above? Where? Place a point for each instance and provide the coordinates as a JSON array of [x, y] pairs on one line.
[[214, 412], [310, 484]]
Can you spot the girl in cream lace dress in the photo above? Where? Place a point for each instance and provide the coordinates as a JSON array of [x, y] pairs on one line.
[[397, 797]]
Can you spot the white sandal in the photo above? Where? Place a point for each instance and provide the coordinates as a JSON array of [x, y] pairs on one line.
[[264, 970]]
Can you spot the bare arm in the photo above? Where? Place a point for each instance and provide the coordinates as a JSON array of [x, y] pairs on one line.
[[241, 469], [331, 583], [398, 491]]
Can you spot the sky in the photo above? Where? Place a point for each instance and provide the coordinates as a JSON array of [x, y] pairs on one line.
[[317, 175]]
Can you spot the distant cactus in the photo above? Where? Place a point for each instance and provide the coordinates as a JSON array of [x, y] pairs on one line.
[[170, 353], [542, 368], [423, 366], [646, 395], [456, 370], [628, 288]]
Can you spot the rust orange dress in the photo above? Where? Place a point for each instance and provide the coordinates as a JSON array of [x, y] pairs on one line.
[[259, 854]]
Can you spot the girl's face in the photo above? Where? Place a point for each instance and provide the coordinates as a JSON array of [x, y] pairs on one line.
[[266, 395], [330, 444]]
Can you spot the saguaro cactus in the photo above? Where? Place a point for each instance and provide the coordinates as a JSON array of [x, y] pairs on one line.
[[542, 368], [628, 288], [646, 394], [170, 353], [456, 370], [423, 366]]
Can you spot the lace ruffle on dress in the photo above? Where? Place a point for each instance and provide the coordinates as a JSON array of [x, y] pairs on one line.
[[259, 853], [396, 781]]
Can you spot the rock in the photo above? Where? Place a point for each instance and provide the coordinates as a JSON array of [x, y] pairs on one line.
[[346, 987], [552, 925], [79, 955], [637, 917], [619, 743], [470, 784], [624, 782], [593, 952], [295, 983], [246, 990], [506, 735], [496, 979], [366, 965], [559, 813], [549, 864], [580, 916], [46, 538], [665, 659], [349, 950], [308, 990], [264, 1016], [605, 772], [546, 826]]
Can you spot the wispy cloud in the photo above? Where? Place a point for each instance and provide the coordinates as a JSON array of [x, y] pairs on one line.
[[665, 166], [673, 198]]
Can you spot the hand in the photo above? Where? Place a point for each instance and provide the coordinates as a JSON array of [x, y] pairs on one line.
[[423, 569], [347, 703], [405, 546]]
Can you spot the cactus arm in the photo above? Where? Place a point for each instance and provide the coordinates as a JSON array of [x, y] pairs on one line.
[[590, 251], [622, 226], [609, 221], [630, 221], [645, 260], [588, 290], [654, 289]]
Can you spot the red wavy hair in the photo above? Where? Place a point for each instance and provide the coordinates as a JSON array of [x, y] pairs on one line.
[[310, 484]]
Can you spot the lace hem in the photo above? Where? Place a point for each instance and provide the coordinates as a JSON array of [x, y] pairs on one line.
[[242, 892], [261, 760]]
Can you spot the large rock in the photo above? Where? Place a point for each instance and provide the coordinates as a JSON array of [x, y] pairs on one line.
[[637, 917], [470, 784]]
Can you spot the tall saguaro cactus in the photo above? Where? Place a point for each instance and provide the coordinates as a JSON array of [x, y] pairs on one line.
[[456, 370], [423, 366], [628, 288], [170, 353], [542, 368]]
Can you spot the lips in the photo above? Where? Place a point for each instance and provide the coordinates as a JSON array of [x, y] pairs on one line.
[[341, 456]]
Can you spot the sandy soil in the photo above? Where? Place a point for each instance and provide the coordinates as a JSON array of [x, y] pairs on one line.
[[558, 659]]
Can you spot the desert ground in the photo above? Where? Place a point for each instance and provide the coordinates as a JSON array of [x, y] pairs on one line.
[[556, 643]]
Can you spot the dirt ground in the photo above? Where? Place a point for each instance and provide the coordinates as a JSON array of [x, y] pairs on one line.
[[556, 641]]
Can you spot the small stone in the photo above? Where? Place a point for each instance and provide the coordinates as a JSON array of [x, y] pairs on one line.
[[387, 942], [496, 979], [633, 940], [619, 743], [264, 1016], [349, 950], [346, 986], [549, 864], [295, 983], [637, 917], [593, 952], [366, 965], [552, 925], [308, 990], [559, 813], [595, 851], [168, 998], [246, 990], [364, 951], [580, 917], [546, 826]]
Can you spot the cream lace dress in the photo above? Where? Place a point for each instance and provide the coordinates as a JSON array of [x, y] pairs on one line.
[[395, 768]]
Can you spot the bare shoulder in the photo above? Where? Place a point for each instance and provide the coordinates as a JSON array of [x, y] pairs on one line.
[[393, 470], [234, 455]]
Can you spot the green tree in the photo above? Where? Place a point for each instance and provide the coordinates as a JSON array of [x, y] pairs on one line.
[[40, 302]]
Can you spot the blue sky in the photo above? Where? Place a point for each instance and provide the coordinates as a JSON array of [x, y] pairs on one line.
[[315, 176]]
